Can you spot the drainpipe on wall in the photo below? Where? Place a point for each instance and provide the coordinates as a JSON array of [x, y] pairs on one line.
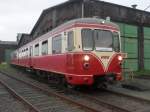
[[82, 16]]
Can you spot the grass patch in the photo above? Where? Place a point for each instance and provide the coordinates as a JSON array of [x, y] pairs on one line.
[[5, 67]]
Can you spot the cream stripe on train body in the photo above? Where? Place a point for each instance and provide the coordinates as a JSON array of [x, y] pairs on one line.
[[105, 58]]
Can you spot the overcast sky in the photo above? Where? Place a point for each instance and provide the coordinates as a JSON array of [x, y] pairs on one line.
[[19, 16]]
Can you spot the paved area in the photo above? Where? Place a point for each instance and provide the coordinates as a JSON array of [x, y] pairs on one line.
[[135, 87]]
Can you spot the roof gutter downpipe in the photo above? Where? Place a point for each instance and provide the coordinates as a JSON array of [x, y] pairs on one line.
[[82, 9]]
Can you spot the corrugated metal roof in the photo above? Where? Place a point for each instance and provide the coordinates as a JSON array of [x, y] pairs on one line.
[[8, 43]]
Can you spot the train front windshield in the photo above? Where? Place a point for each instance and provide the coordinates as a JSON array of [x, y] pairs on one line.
[[100, 40]]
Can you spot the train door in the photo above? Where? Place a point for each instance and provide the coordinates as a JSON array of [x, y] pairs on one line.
[[30, 57], [70, 54]]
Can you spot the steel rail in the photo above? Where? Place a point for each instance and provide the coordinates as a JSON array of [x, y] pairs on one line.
[[19, 97], [50, 93], [129, 96], [109, 105], [101, 102]]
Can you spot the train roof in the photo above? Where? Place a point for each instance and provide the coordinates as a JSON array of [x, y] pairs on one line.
[[90, 21], [75, 21]]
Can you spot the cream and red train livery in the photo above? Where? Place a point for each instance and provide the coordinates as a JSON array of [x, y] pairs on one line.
[[85, 51]]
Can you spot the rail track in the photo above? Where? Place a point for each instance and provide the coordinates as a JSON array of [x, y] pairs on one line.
[[38, 100], [113, 100], [129, 103], [101, 101], [9, 101], [44, 100]]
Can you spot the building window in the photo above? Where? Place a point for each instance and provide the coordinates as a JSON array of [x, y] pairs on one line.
[[70, 42], [36, 50], [56, 44], [45, 47]]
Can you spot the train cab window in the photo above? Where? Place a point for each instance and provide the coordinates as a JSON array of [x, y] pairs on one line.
[[70, 42], [103, 40], [44, 48], [87, 39], [36, 50], [116, 42], [56, 44]]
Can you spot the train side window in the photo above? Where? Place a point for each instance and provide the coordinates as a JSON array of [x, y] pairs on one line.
[[70, 42], [36, 50], [56, 44], [26, 52], [31, 51], [44, 47]]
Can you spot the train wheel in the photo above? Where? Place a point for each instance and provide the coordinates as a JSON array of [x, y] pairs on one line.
[[94, 86], [70, 86], [75, 87], [64, 82], [102, 86], [99, 86], [44, 75], [38, 73]]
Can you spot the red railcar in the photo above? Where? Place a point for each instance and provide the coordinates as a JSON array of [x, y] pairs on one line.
[[84, 51]]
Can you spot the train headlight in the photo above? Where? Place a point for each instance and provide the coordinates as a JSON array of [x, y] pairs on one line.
[[120, 58], [86, 58]]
